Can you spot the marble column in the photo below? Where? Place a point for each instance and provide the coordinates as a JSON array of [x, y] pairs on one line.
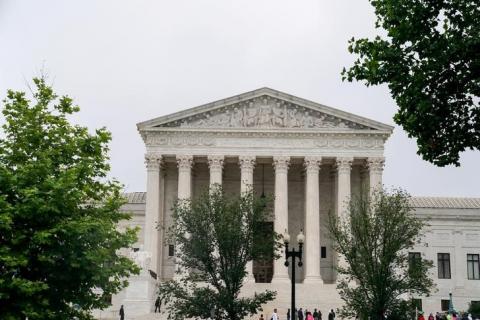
[[247, 163], [153, 236], [281, 163], [375, 170], [312, 221], [344, 167], [184, 163], [215, 163]]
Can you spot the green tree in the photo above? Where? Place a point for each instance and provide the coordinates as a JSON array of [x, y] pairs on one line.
[[215, 236], [429, 57], [374, 239], [59, 213]]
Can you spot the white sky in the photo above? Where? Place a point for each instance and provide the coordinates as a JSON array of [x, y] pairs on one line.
[[129, 61]]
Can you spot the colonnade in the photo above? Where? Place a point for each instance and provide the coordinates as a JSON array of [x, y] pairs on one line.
[[343, 165]]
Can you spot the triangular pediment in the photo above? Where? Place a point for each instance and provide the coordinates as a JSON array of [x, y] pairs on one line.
[[264, 109]]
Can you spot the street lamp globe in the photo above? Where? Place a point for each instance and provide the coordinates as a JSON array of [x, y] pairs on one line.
[[301, 237], [286, 237]]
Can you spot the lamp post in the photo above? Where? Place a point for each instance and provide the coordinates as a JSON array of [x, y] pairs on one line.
[[293, 254]]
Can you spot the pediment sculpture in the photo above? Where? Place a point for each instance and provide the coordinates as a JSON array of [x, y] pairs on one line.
[[264, 112]]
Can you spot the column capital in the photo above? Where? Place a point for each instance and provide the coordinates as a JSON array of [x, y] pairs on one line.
[[153, 161], [184, 162], [376, 164], [312, 164], [246, 162], [281, 163], [215, 162], [344, 164]]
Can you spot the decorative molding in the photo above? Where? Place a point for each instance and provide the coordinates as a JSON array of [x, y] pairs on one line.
[[344, 165], [215, 162], [375, 165], [281, 163], [184, 162], [153, 161], [264, 112], [277, 139], [312, 164]]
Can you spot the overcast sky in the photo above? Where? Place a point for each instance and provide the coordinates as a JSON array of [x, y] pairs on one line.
[[129, 61]]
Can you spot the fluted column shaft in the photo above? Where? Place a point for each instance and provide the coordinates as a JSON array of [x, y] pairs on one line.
[[184, 163], [344, 167], [215, 163], [247, 163], [312, 220], [152, 235], [375, 171], [280, 272]]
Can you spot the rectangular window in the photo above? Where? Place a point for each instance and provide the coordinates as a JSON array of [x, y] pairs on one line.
[[473, 268], [445, 304], [443, 261], [323, 252], [171, 250], [414, 258]]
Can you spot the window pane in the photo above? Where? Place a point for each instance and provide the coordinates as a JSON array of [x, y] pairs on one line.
[[443, 261], [473, 267]]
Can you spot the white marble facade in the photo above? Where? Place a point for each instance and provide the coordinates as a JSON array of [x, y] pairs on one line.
[[310, 157]]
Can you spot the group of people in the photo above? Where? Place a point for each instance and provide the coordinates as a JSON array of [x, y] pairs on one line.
[[448, 316], [302, 315]]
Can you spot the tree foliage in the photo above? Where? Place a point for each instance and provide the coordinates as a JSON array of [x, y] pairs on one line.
[[374, 240], [215, 236], [59, 240], [430, 60]]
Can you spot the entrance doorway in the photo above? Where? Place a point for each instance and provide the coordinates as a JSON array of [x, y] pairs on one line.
[[263, 268]]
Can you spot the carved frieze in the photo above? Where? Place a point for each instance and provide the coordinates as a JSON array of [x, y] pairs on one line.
[[264, 112]]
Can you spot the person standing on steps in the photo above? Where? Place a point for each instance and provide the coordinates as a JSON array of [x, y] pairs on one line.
[[121, 313], [274, 315], [158, 304], [300, 314], [288, 314], [331, 315], [315, 314]]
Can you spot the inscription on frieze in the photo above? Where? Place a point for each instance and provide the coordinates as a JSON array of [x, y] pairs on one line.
[[264, 112]]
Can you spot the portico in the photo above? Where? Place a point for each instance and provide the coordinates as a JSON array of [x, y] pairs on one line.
[[310, 157]]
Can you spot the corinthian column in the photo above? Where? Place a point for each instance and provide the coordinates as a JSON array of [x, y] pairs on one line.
[[312, 221], [375, 170], [184, 163], [215, 163], [280, 272], [152, 236], [344, 166], [247, 163]]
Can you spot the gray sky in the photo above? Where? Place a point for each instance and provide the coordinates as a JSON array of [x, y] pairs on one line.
[[129, 61]]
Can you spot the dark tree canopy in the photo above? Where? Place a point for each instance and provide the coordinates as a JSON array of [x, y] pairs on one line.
[[430, 60], [59, 213], [375, 239], [215, 236]]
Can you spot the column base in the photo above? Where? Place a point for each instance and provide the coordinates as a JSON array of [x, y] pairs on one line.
[[313, 280], [281, 279]]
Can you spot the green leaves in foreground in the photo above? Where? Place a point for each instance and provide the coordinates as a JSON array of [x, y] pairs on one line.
[[429, 58], [215, 236], [374, 240], [59, 213]]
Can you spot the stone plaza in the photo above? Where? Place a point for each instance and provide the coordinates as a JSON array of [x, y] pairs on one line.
[[312, 159]]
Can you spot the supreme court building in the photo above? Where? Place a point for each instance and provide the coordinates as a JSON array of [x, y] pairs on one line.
[[312, 159]]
